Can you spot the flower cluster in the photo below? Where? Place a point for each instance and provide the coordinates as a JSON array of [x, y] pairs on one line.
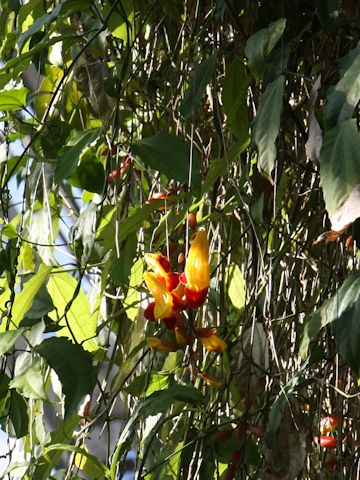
[[174, 292]]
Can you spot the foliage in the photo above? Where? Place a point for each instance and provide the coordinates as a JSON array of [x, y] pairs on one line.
[[127, 128]]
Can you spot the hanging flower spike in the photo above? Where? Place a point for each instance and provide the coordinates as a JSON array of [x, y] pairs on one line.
[[163, 299], [211, 342], [197, 271], [161, 345]]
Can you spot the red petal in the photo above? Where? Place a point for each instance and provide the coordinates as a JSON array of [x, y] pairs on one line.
[[170, 323], [205, 332], [172, 281], [149, 312], [183, 279], [195, 298]]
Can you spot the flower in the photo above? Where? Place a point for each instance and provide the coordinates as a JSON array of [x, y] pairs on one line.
[[197, 271], [163, 299], [328, 424], [211, 342], [211, 380], [161, 345]]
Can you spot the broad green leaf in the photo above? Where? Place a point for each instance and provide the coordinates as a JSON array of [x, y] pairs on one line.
[[260, 45], [235, 100], [169, 155], [342, 312], [345, 95], [339, 162], [18, 416], [66, 165], [84, 460], [67, 298], [29, 382], [8, 339], [42, 304], [197, 85], [24, 299], [74, 367], [14, 99], [38, 24], [160, 401], [267, 125], [62, 434], [236, 287]]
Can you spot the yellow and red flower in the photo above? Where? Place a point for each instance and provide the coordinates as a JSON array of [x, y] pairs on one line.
[[197, 271], [166, 289], [161, 345], [211, 342]]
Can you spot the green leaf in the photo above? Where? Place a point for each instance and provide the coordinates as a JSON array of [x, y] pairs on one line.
[[261, 44], [342, 312], [14, 99], [160, 401], [29, 382], [63, 434], [280, 403], [235, 101], [339, 162], [18, 415], [197, 85], [24, 299], [169, 155], [106, 233], [66, 165], [267, 124], [8, 339], [236, 286], [84, 232], [93, 466], [343, 98], [63, 289], [42, 305], [39, 23], [74, 367]]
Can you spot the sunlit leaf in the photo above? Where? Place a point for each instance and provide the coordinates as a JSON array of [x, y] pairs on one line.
[[9, 338], [38, 25], [14, 99], [261, 43], [29, 382], [62, 434], [236, 287], [63, 289], [24, 299], [267, 125], [74, 367], [198, 82], [339, 159], [345, 95]]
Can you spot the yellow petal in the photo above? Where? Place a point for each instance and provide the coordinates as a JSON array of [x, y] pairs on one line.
[[213, 343], [163, 298], [197, 269]]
